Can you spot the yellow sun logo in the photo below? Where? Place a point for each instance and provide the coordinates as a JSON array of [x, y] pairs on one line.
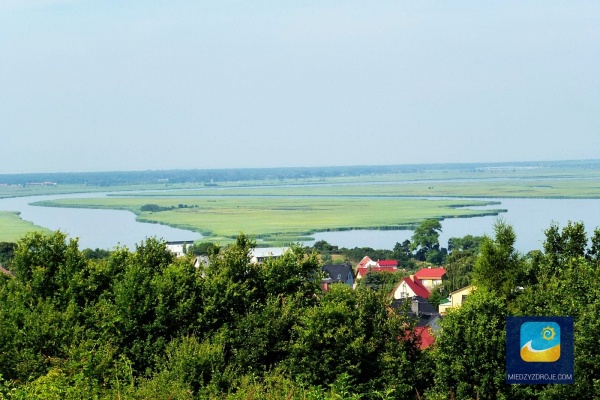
[[548, 333]]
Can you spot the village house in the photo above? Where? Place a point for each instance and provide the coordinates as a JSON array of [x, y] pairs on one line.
[[410, 287], [367, 265], [337, 273], [431, 277], [179, 248], [456, 299], [259, 255]]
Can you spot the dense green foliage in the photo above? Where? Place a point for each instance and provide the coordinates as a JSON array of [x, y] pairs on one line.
[[144, 325], [562, 281], [381, 281]]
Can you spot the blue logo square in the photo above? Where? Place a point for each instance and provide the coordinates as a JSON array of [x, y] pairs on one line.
[[539, 350]]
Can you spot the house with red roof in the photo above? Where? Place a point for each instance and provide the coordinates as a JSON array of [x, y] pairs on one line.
[[366, 262], [388, 263], [427, 338], [431, 277], [409, 287], [367, 265]]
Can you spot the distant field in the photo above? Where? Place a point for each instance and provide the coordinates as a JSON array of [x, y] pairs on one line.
[[548, 188], [13, 227], [25, 191]]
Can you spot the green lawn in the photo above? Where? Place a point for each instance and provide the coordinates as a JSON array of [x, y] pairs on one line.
[[12, 227]]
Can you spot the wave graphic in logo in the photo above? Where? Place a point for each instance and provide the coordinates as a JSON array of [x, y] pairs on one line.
[[540, 341]]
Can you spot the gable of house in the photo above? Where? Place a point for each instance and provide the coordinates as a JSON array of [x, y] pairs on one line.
[[410, 287], [339, 273], [366, 262], [458, 296]]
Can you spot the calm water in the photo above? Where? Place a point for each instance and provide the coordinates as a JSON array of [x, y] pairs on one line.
[[103, 229], [109, 228]]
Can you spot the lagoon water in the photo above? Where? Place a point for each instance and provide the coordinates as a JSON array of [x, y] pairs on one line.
[[102, 229], [109, 228]]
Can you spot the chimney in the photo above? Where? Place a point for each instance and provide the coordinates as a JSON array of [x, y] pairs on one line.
[[414, 306]]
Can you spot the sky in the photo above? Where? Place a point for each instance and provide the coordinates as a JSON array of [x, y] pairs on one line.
[[107, 85]]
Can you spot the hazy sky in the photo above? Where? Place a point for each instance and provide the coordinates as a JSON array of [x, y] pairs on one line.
[[102, 85]]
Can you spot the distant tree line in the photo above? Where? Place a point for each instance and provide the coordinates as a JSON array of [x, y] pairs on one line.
[[157, 208], [245, 174]]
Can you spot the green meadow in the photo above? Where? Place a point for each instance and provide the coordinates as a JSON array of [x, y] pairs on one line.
[[540, 188]]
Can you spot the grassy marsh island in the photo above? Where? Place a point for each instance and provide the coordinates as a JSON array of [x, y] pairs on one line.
[[274, 218]]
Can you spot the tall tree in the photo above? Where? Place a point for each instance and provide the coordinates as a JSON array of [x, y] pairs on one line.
[[459, 270], [562, 245], [351, 332], [426, 238], [499, 266]]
